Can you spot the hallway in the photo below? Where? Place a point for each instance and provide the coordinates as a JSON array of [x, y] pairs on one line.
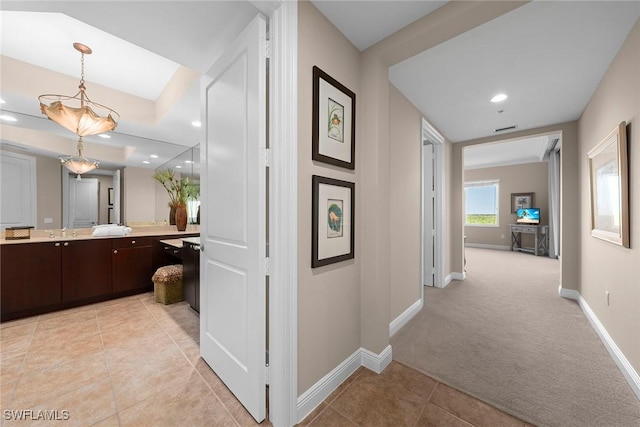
[[504, 335]]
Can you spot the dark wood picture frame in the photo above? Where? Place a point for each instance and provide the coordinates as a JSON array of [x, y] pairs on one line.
[[332, 198], [336, 146], [517, 201], [110, 196]]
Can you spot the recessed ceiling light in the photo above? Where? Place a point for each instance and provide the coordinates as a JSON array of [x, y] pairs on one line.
[[8, 118], [499, 97], [188, 161], [146, 162], [2, 101], [196, 123], [178, 167], [104, 135], [153, 156]]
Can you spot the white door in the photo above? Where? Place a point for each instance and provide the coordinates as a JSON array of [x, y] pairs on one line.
[[428, 215], [83, 202], [17, 190], [233, 221]]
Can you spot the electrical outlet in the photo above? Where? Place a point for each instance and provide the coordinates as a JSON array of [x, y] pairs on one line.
[[502, 236], [48, 220], [606, 294]]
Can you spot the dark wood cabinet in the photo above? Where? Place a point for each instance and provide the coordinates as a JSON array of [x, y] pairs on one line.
[[41, 277], [31, 277], [86, 272], [131, 264], [191, 274]]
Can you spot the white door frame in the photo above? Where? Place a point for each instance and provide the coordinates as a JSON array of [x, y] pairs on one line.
[[283, 204], [430, 134]]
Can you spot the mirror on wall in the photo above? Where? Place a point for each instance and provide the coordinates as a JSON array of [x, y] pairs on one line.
[[44, 185], [185, 165]]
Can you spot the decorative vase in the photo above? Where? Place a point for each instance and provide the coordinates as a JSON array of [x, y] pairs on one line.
[[181, 217], [172, 215]]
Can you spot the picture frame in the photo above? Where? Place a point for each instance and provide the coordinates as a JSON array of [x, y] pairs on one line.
[[110, 196], [110, 216], [521, 201], [333, 221], [334, 121], [609, 188]]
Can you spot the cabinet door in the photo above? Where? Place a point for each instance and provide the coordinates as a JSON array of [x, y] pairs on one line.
[[189, 274], [31, 276], [86, 269], [131, 268]]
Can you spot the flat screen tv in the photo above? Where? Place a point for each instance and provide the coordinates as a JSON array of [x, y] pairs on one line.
[[528, 216]]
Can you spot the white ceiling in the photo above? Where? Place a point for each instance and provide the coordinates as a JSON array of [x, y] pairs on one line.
[[365, 23], [137, 48], [548, 56]]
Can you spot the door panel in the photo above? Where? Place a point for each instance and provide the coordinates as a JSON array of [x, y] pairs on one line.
[[233, 226], [18, 190], [83, 202]]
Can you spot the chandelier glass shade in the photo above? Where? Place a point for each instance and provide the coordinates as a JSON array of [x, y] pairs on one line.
[[80, 115], [79, 164], [81, 120]]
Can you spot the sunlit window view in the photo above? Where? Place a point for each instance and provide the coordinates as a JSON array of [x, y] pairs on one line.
[[481, 203]]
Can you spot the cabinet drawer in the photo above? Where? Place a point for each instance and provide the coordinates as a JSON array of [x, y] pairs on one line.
[[172, 250], [128, 242]]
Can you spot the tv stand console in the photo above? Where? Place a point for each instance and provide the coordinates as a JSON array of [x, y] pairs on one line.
[[541, 245]]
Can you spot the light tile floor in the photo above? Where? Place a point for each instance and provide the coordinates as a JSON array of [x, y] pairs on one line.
[[133, 362]]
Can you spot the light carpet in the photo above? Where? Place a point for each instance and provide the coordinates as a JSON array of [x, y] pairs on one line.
[[505, 336]]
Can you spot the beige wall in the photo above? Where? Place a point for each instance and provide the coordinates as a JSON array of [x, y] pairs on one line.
[[525, 178], [139, 195], [346, 306], [405, 130], [328, 297], [605, 266]]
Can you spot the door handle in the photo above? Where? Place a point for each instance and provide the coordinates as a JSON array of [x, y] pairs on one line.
[[66, 243], [57, 245], [115, 251]]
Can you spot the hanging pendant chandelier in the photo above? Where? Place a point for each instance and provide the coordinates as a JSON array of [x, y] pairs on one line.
[[78, 113], [79, 164]]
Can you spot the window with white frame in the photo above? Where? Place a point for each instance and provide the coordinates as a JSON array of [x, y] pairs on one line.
[[481, 203]]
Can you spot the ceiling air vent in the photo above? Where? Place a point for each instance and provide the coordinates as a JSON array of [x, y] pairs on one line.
[[507, 128]]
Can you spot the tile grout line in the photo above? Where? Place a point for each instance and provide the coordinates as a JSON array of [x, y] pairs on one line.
[[194, 368], [106, 360], [24, 361]]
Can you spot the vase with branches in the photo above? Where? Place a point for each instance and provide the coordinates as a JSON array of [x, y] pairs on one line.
[[180, 190]]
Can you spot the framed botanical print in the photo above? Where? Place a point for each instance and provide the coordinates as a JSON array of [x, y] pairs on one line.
[[609, 188], [334, 121], [333, 218]]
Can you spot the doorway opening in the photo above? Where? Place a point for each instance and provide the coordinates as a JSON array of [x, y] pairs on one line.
[[432, 176]]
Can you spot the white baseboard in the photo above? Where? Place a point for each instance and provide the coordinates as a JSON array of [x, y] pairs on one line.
[[624, 365], [376, 362], [315, 395], [407, 315], [455, 276], [485, 246]]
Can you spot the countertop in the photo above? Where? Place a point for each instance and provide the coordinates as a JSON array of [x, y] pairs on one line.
[[192, 240], [40, 236]]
